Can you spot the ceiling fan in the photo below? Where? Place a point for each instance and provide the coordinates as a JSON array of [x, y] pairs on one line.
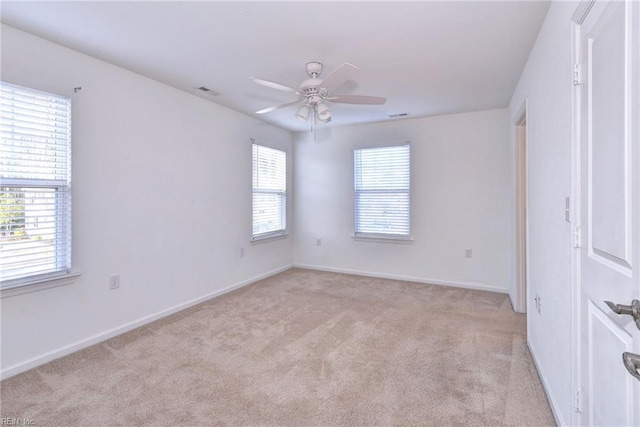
[[315, 92]]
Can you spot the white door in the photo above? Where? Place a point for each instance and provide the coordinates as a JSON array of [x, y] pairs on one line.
[[609, 217]]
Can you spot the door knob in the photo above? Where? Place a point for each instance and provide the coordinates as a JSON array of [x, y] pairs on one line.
[[632, 363], [632, 310]]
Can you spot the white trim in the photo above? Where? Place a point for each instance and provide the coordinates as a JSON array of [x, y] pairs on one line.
[[553, 403], [521, 175], [582, 11], [456, 284], [110, 333], [379, 144], [39, 284], [378, 238], [575, 328], [268, 238]]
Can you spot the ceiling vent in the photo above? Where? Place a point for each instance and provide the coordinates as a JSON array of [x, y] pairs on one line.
[[208, 91], [393, 116]]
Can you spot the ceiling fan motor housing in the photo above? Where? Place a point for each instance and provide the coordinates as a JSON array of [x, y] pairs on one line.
[[310, 88]]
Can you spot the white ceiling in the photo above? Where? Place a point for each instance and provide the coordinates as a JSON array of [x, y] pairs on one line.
[[426, 58]]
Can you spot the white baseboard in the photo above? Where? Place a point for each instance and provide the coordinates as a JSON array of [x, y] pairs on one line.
[[456, 284], [555, 409], [515, 308], [95, 339]]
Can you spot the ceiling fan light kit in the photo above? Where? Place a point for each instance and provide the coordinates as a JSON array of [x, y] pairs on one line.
[[324, 121], [323, 112], [303, 113], [314, 93]]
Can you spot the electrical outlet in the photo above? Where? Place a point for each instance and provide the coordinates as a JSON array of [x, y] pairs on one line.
[[537, 300], [318, 242], [114, 281], [241, 252], [468, 253]]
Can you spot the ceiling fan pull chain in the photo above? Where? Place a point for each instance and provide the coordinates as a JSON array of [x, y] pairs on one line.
[[313, 123]]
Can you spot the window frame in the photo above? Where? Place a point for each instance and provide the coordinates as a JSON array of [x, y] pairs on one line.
[[359, 235], [59, 184], [280, 192]]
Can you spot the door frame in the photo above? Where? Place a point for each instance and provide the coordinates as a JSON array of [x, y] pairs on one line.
[[521, 209], [578, 17]]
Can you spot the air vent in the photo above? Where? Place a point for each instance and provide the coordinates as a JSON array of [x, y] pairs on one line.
[[208, 91], [393, 116]]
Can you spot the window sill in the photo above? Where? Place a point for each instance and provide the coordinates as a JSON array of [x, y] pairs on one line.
[[268, 238], [382, 239], [40, 284]]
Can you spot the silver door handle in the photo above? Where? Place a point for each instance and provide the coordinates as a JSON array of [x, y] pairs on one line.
[[632, 363], [632, 310]]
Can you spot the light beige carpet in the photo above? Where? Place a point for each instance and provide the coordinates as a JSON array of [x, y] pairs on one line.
[[302, 348]]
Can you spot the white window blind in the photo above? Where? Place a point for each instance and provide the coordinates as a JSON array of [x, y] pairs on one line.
[[382, 191], [269, 192], [35, 221]]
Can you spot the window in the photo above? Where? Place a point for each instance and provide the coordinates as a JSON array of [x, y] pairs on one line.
[[269, 192], [382, 192], [35, 193]]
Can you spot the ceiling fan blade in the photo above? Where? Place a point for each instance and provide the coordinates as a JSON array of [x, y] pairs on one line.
[[357, 99], [338, 76], [272, 85], [277, 107]]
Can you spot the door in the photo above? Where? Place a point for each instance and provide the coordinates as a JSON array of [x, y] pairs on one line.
[[609, 210]]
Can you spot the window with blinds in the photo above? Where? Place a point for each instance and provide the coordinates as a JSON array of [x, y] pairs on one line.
[[382, 192], [269, 192], [35, 221]]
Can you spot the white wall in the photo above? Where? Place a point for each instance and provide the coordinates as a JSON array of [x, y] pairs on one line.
[[161, 195], [546, 84], [461, 187]]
